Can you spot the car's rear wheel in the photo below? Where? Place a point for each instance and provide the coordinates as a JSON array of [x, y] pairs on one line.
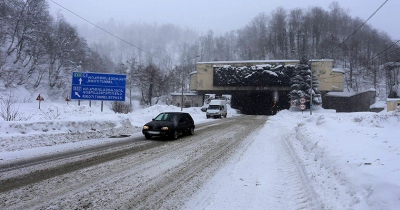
[[147, 136]]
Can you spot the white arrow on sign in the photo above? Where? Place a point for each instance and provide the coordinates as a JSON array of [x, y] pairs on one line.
[[80, 81], [77, 94]]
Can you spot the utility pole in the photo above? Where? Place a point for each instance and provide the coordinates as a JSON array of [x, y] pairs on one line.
[[311, 81], [183, 78], [182, 93]]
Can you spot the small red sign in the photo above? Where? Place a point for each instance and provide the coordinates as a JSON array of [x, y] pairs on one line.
[[302, 100], [302, 107], [39, 98]]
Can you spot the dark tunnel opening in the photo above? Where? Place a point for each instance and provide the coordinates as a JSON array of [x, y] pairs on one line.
[[260, 102]]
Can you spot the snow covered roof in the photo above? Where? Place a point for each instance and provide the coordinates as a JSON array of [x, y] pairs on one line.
[[321, 60], [338, 70], [347, 94], [378, 104], [393, 99], [184, 93], [249, 61], [263, 61]]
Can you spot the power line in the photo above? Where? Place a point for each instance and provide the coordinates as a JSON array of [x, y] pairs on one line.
[[392, 63], [115, 36], [358, 28], [374, 57], [365, 22], [331, 77]]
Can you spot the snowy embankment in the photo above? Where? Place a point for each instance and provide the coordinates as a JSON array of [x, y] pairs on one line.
[[346, 160], [352, 159], [57, 124]]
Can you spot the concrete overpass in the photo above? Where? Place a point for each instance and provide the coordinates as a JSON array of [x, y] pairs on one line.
[[257, 86]]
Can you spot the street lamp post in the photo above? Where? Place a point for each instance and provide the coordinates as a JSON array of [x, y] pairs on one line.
[[183, 78], [182, 95], [311, 96]]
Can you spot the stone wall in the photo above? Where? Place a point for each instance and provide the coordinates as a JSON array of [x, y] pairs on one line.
[[358, 102]]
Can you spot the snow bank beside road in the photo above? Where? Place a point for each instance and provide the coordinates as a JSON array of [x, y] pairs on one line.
[[27, 135], [345, 160], [352, 158]]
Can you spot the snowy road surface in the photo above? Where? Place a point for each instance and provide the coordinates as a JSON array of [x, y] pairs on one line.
[[165, 174]]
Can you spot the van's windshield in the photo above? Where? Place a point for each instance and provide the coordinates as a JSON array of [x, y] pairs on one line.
[[213, 107]]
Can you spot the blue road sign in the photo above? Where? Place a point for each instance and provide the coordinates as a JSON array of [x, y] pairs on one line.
[[96, 86]]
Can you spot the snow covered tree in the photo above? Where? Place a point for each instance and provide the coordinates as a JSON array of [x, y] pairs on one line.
[[24, 24], [297, 83], [301, 84], [316, 94]]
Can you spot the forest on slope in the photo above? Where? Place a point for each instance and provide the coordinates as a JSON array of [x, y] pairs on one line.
[[39, 51]]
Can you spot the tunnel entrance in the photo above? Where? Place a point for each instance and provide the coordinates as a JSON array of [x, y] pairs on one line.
[[260, 102]]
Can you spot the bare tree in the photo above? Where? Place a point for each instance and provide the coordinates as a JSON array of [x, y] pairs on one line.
[[147, 79], [294, 33], [277, 28], [9, 110], [66, 51], [24, 25], [252, 41]]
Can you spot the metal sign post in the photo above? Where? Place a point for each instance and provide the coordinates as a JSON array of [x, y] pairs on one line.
[[39, 98], [67, 99]]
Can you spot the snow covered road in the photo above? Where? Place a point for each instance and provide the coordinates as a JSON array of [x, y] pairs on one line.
[[161, 174]]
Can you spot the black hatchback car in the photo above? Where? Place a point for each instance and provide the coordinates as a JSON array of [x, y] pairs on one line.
[[169, 124]]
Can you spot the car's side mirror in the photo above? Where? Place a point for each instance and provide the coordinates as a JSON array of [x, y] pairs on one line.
[[153, 119]]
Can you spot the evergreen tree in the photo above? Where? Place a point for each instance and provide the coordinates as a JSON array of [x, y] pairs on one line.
[[300, 83]]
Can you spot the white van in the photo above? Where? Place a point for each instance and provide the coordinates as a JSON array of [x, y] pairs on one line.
[[217, 108]]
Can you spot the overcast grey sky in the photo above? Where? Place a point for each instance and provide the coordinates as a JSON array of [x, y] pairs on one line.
[[217, 15]]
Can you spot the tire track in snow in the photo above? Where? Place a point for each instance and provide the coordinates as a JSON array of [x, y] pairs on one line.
[[273, 180], [306, 198]]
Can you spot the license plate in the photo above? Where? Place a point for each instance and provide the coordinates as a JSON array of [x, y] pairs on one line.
[[153, 132]]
